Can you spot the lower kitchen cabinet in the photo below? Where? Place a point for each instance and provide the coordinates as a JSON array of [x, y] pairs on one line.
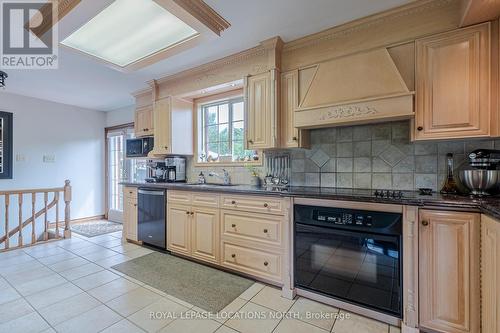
[[205, 234], [179, 229], [449, 271], [130, 214], [490, 274]]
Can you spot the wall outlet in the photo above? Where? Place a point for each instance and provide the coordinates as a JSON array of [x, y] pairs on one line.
[[20, 158], [49, 158]]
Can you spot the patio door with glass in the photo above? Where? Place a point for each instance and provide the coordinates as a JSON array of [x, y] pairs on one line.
[[120, 169]]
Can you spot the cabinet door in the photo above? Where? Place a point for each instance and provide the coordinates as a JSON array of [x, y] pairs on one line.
[[449, 271], [179, 229], [205, 234], [162, 133], [453, 84], [291, 137], [261, 113], [143, 123], [130, 218], [490, 274]]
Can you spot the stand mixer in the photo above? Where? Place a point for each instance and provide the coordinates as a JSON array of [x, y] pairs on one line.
[[484, 178]]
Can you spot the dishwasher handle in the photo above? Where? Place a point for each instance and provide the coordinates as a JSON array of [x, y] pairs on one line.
[[152, 192]]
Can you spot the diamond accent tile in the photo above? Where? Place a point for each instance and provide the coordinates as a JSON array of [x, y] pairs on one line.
[[320, 158], [392, 155]]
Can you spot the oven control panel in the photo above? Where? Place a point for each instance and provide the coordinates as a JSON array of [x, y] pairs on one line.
[[344, 218]]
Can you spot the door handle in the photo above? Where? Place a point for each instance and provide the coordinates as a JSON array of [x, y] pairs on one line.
[[151, 192], [425, 223]]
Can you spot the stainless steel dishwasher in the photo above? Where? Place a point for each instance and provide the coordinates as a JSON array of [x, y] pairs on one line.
[[151, 217]]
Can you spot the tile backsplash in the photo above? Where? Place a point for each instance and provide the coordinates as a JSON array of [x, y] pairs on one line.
[[369, 156]]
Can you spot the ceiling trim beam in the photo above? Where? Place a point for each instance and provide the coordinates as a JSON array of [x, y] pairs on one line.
[[205, 14]]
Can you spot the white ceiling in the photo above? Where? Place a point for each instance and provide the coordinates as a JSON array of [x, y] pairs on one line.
[[84, 82]]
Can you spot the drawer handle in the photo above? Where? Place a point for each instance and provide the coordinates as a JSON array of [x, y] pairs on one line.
[[192, 213], [146, 129], [233, 202], [425, 223], [266, 263], [266, 205], [130, 192], [265, 231], [135, 205], [250, 141], [233, 225], [420, 128], [294, 138], [187, 213], [233, 255]]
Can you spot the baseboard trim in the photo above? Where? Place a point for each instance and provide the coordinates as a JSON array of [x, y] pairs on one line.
[[78, 221]]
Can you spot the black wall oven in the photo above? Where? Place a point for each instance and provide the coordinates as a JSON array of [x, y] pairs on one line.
[[354, 256]]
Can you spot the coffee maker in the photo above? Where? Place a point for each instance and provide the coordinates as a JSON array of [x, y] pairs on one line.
[[157, 171], [175, 169]]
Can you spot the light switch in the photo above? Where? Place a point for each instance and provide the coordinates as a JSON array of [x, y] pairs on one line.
[[49, 158]]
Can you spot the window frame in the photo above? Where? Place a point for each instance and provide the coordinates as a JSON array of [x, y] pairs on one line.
[[201, 124]]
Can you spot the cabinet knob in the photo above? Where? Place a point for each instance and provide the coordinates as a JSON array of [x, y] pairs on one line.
[[166, 147], [294, 138], [420, 128], [135, 205], [266, 205], [425, 223], [233, 225], [192, 213], [187, 213], [233, 255], [250, 141], [233, 202], [146, 129], [266, 263], [130, 192], [265, 231]]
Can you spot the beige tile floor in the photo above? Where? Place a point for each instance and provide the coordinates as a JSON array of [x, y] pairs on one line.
[[68, 286]]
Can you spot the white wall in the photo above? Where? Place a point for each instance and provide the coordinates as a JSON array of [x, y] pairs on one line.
[[74, 135], [120, 116]]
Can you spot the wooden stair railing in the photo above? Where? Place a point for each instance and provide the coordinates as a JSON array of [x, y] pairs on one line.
[[66, 190]]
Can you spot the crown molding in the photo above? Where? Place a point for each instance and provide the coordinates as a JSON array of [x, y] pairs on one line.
[[263, 49], [366, 23], [205, 14]]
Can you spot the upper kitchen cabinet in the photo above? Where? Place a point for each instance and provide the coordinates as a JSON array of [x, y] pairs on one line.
[[261, 110], [291, 137], [143, 121], [173, 127], [365, 87], [453, 85]]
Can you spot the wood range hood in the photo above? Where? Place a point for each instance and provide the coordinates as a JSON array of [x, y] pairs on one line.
[[372, 86]]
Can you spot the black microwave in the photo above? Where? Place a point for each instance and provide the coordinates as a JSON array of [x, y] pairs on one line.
[[139, 147]]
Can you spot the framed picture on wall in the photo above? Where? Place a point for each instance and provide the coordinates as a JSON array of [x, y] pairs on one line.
[[6, 145]]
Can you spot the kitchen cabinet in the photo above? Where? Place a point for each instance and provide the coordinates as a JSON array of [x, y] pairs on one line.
[[193, 225], [130, 214], [490, 274], [213, 227], [179, 229], [449, 286], [205, 233], [173, 127], [143, 121], [453, 82], [291, 137], [261, 110]]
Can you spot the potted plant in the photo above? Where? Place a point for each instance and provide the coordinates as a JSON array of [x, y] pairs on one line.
[[254, 172]]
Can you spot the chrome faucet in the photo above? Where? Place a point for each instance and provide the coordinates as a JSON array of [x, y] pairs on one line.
[[225, 178]]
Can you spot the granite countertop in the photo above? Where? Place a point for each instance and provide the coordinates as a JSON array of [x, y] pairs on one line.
[[489, 205]]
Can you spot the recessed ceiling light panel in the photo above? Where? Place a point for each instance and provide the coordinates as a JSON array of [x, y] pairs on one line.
[[128, 31]]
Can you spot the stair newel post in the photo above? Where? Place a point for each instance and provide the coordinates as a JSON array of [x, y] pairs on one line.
[[46, 222], [67, 201], [7, 202], [20, 202], [33, 218]]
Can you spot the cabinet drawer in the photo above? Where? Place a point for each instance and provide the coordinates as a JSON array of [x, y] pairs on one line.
[[253, 204], [263, 228], [251, 261], [179, 197], [205, 199], [130, 192]]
